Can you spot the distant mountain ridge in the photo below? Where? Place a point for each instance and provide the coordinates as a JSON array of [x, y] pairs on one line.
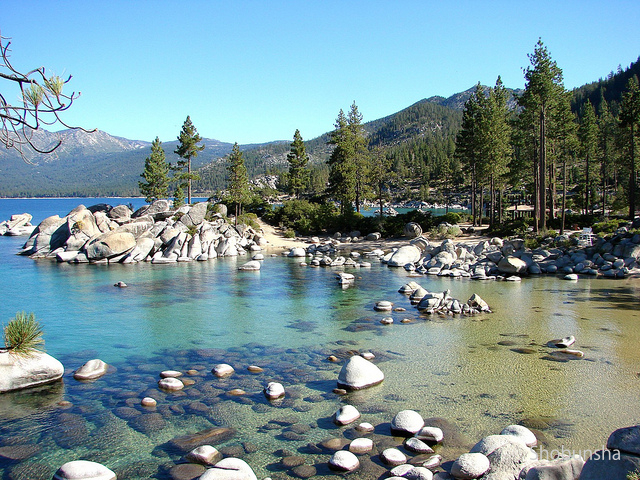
[[99, 164]]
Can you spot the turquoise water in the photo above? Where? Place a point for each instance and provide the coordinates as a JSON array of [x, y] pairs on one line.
[[476, 375]]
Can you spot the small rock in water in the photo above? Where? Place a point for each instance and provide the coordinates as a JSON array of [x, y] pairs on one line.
[[205, 455], [344, 461], [148, 402], [346, 414], [383, 306], [229, 468], [386, 321], [222, 370], [91, 370], [120, 285], [432, 462], [255, 369], [416, 445], [83, 470], [170, 374], [565, 342], [407, 422], [361, 445], [393, 456], [430, 434], [274, 390], [171, 384], [364, 427]]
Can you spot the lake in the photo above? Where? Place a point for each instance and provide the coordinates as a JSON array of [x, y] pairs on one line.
[[475, 374]]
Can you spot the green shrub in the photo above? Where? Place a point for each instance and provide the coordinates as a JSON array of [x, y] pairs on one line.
[[453, 218], [249, 219], [23, 334], [289, 233], [192, 230], [608, 226], [305, 217]]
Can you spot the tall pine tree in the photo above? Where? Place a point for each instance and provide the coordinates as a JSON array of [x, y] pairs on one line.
[[544, 86], [630, 124], [187, 149], [156, 174], [298, 159], [238, 184], [588, 134]]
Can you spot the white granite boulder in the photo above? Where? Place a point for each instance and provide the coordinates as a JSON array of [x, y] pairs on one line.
[[521, 433], [91, 370], [405, 254], [251, 265], [229, 469], [274, 390], [109, 245], [222, 370], [470, 465], [343, 461], [18, 372], [359, 373], [346, 414], [204, 455], [83, 470], [407, 422]]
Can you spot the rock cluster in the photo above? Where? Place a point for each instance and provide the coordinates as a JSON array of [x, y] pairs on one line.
[[442, 302], [18, 224], [155, 233], [616, 257]]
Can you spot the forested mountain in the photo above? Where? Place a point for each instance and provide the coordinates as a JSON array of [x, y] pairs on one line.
[[610, 88], [419, 140]]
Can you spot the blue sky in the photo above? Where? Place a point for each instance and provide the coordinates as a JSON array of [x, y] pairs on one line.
[[254, 71]]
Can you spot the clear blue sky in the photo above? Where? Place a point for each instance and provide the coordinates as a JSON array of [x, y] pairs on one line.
[[254, 71]]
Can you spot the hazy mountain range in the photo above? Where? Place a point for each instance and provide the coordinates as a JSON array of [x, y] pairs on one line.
[[99, 164]]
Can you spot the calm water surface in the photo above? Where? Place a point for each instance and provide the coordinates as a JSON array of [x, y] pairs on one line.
[[476, 375]]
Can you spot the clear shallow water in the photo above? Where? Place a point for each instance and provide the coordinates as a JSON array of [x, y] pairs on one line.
[[289, 319]]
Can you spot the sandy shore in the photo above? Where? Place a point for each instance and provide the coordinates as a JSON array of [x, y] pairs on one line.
[[278, 242]]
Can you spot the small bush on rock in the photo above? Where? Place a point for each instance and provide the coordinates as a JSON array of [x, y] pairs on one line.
[[23, 334]]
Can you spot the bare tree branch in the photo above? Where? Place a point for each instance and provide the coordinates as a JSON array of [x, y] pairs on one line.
[[42, 102]]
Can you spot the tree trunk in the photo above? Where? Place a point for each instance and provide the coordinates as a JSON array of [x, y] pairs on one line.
[[564, 194], [189, 181], [543, 169], [632, 176]]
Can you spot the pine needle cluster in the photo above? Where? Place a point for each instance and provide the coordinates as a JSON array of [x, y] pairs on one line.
[[23, 334]]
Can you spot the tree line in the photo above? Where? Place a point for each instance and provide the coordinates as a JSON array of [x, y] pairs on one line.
[[554, 151]]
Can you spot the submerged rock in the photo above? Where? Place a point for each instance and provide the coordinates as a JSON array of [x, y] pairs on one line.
[[91, 370], [83, 470]]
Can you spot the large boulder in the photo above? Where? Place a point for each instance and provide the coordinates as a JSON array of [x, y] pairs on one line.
[[18, 372], [561, 468], [229, 469], [405, 254], [470, 465], [610, 465], [512, 265], [412, 230], [359, 373], [195, 215], [109, 245]]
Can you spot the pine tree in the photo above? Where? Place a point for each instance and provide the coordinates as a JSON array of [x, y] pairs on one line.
[[187, 149], [630, 125], [607, 147], [544, 86], [588, 134], [341, 167], [238, 180], [496, 139], [298, 159], [361, 158], [156, 174], [381, 177]]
